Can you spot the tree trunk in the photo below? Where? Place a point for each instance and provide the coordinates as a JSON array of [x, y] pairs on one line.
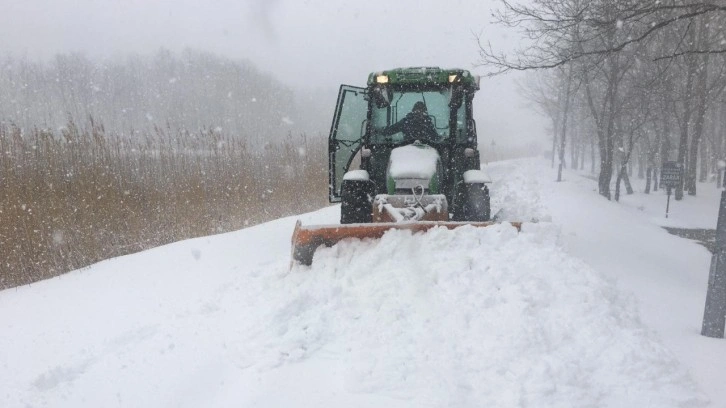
[[574, 146], [705, 164], [718, 178], [718, 141], [592, 155], [682, 146], [701, 108], [629, 163], [554, 142], [648, 174], [604, 120], [628, 186], [606, 167], [607, 171], [623, 169], [685, 123], [605, 131], [664, 144], [617, 182], [565, 117]]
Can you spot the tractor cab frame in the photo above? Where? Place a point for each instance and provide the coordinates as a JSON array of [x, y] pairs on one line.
[[361, 115], [401, 183]]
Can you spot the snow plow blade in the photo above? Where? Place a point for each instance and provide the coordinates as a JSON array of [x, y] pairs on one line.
[[305, 240]]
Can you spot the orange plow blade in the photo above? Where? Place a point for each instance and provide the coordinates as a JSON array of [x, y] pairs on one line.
[[305, 240]]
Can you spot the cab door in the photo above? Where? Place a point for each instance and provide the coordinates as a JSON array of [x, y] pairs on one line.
[[346, 135]]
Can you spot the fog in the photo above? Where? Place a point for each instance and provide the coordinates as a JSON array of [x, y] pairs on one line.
[[312, 44]]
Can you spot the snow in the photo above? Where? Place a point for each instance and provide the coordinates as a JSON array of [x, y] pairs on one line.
[[476, 176], [688, 213], [593, 305], [357, 175], [415, 161]]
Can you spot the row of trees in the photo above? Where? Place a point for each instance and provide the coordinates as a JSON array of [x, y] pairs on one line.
[[189, 91], [630, 80]]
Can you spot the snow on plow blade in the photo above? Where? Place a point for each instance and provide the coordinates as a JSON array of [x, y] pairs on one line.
[[305, 240]]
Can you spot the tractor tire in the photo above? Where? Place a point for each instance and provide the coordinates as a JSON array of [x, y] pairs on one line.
[[472, 203], [356, 200]]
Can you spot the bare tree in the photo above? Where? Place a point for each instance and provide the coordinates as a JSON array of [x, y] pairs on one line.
[[567, 96], [547, 23], [545, 93], [659, 54]]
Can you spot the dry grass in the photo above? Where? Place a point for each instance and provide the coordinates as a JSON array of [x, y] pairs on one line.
[[81, 195]]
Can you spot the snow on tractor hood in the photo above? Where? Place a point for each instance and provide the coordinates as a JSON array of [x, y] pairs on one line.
[[414, 161]]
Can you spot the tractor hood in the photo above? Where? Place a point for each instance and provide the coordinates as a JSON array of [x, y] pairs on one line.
[[413, 165], [415, 161]]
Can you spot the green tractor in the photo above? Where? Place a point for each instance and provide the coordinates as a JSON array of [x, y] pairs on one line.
[[402, 154]]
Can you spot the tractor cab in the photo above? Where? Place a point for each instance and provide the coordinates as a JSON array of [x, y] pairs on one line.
[[362, 129]]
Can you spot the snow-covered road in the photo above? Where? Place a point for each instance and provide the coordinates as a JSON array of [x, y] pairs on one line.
[[552, 316]]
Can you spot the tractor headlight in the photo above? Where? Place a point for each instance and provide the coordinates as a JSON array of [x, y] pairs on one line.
[[452, 78], [382, 79]]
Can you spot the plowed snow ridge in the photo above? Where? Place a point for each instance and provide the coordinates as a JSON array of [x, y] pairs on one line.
[[474, 317]]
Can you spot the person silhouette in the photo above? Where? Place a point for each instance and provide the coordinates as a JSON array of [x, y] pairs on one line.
[[416, 125]]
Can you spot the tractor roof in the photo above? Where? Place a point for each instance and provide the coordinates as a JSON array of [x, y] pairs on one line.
[[423, 76]]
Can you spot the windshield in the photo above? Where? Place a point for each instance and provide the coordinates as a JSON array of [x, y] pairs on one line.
[[390, 123]]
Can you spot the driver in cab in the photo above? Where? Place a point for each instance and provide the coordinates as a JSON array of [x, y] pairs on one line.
[[416, 125]]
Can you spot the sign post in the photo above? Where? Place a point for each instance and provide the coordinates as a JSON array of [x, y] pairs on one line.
[[671, 176]]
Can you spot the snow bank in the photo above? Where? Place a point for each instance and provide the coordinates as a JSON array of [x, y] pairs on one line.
[[471, 317]]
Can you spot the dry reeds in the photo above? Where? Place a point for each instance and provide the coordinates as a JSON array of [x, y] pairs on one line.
[[79, 195]]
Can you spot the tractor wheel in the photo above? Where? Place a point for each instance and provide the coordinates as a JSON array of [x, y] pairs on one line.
[[472, 203], [356, 200]]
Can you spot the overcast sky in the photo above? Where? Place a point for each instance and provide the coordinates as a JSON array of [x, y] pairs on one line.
[[310, 43]]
